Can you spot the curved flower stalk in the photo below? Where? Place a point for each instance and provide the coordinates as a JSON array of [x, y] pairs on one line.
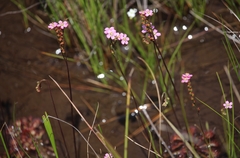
[[150, 35]]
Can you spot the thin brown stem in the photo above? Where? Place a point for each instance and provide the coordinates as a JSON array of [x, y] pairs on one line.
[[71, 98], [170, 77]]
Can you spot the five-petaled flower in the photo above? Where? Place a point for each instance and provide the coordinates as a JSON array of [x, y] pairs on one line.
[[186, 77], [124, 39], [146, 12], [156, 33], [62, 24], [110, 32], [227, 105], [52, 25]]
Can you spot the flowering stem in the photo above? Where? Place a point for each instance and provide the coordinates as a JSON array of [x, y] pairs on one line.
[[59, 29]]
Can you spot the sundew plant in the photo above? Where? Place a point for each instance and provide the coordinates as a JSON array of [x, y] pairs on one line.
[[127, 44]]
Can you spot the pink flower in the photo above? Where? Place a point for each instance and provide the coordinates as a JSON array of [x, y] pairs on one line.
[[145, 29], [156, 33], [227, 105], [52, 25], [108, 155], [118, 36], [146, 12], [107, 30], [125, 39], [110, 32], [186, 77], [62, 24]]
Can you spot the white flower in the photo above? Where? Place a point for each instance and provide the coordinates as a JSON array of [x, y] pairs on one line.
[[132, 13], [228, 105]]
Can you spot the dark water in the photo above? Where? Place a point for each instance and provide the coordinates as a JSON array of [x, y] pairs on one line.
[[22, 65]]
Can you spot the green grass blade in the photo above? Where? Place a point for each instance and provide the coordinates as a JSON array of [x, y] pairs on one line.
[[232, 56], [49, 130], [127, 119], [57, 56], [4, 144]]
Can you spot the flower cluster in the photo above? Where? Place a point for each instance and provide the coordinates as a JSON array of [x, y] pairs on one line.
[[112, 34], [59, 27], [148, 30], [61, 24], [186, 77], [227, 105], [154, 31]]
